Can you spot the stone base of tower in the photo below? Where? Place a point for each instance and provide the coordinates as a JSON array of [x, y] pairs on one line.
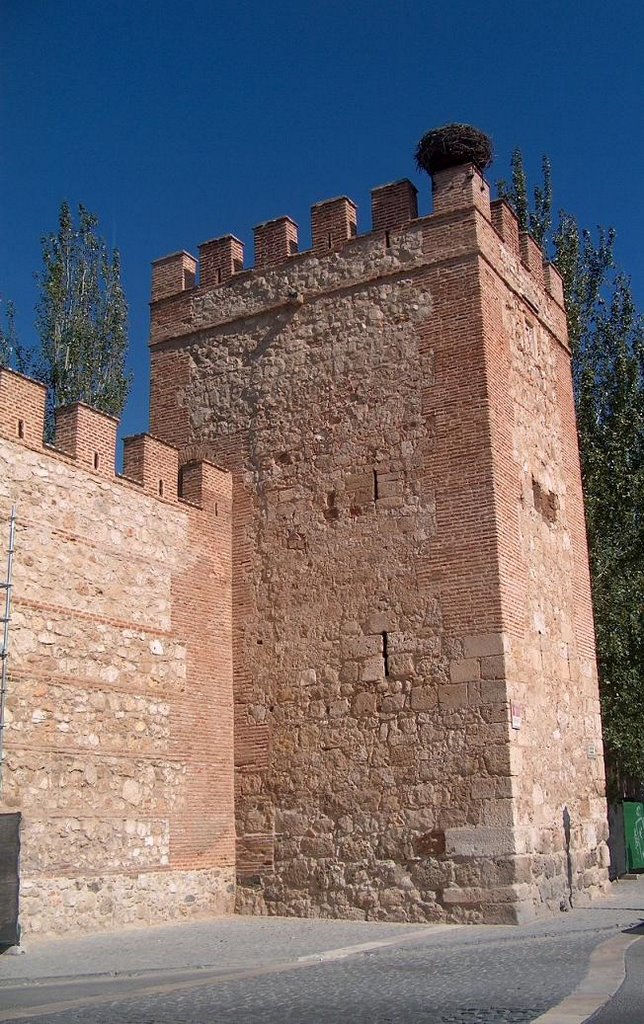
[[494, 888]]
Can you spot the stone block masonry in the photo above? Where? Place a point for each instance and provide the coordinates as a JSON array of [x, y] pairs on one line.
[[118, 738], [353, 668], [416, 707]]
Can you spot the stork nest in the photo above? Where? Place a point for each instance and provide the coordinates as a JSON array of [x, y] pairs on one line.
[[451, 145]]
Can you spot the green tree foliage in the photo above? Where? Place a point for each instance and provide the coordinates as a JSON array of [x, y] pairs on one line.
[[82, 317], [607, 339], [535, 218], [12, 352], [7, 335]]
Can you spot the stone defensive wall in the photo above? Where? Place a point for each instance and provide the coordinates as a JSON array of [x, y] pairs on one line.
[[187, 294], [417, 731], [118, 728], [182, 278]]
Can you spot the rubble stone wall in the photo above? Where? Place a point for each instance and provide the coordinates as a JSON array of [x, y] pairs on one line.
[[118, 737], [377, 411]]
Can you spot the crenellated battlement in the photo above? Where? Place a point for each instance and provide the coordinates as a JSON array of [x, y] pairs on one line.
[[87, 435], [334, 230], [89, 438], [22, 408]]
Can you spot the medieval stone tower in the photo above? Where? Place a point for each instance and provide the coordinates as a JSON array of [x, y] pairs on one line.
[[417, 731]]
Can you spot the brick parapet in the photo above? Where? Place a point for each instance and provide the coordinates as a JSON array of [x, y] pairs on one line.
[[276, 287], [334, 222], [528, 287], [153, 464], [275, 242], [172, 274], [120, 688], [87, 437], [506, 224], [461, 188], [282, 285], [531, 256], [394, 206], [22, 408], [219, 259], [364, 260]]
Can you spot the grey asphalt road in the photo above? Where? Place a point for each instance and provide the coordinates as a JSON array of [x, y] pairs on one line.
[[286, 971]]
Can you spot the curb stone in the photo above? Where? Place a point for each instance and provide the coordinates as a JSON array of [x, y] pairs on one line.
[[605, 974]]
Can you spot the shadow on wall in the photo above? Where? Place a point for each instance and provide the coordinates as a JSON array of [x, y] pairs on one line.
[[566, 903]]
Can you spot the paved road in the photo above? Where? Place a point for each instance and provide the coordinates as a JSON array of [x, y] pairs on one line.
[[286, 971], [627, 1007]]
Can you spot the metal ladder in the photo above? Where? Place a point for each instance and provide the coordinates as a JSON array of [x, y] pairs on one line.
[[6, 586]]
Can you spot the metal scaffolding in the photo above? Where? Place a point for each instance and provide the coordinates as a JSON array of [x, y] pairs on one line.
[[6, 586]]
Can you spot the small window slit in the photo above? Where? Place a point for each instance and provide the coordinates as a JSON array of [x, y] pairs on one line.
[[385, 652], [21, 429], [97, 460]]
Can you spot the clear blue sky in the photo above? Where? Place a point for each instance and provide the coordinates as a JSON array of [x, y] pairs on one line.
[[176, 123]]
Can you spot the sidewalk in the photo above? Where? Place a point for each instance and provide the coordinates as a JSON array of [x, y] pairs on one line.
[[242, 942]]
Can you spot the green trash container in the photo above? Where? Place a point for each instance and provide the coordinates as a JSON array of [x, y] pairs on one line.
[[634, 835]]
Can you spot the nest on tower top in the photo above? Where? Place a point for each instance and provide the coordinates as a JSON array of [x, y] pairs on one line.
[[451, 145]]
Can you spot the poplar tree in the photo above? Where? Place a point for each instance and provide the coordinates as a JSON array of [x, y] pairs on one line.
[[7, 335], [81, 318], [12, 353], [606, 334]]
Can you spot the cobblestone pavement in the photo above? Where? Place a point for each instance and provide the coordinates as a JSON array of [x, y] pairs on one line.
[[265, 971]]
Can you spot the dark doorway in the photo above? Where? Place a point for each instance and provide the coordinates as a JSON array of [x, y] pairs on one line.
[[9, 878]]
